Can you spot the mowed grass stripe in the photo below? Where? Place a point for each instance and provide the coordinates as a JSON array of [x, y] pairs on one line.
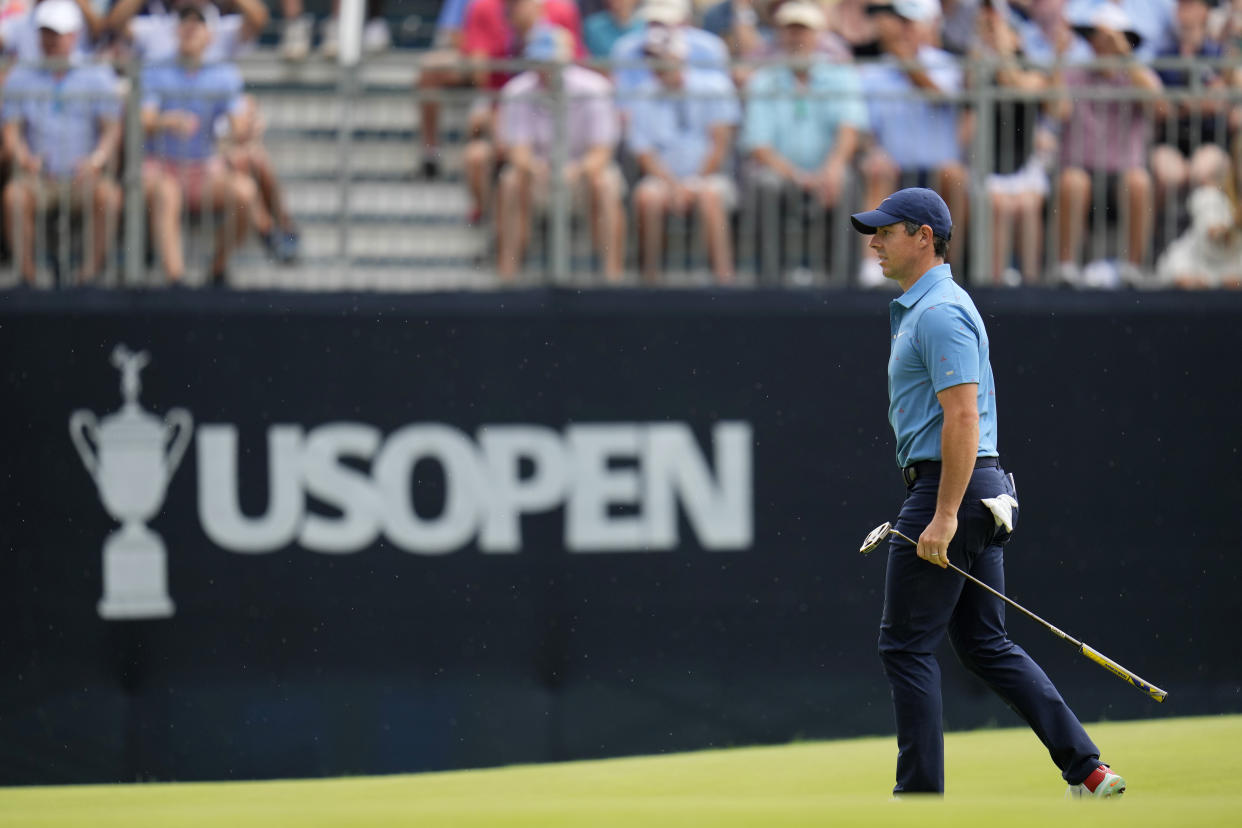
[[1180, 772]]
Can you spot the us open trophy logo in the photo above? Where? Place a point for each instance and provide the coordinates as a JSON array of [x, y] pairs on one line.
[[132, 455]]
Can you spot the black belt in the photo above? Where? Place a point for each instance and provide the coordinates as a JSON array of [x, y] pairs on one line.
[[924, 468]]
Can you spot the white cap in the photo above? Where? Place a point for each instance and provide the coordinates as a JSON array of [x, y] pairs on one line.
[[920, 11], [801, 13], [1110, 16], [667, 12], [61, 16]]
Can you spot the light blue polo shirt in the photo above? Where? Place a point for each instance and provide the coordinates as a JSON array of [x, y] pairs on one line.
[[678, 129], [938, 341], [211, 91], [703, 51], [917, 131], [60, 115], [801, 123]]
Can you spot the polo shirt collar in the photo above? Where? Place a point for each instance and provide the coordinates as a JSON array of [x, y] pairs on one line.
[[924, 285]]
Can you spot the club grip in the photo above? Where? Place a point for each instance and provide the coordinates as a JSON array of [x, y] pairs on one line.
[[1121, 672]]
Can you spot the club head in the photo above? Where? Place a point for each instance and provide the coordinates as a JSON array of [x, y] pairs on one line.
[[877, 536]]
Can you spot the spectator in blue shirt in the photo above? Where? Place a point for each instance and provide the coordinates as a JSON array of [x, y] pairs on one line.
[[602, 30], [1192, 139], [62, 128], [182, 103], [803, 122], [681, 131], [703, 49], [916, 139]]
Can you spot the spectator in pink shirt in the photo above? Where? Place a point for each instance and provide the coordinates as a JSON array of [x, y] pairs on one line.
[[1108, 138], [526, 128]]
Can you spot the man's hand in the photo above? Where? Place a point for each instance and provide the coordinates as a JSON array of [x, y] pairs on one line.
[[934, 542]]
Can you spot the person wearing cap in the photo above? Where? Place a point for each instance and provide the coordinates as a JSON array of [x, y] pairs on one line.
[[525, 126], [943, 412], [150, 26], [62, 129], [1107, 142], [802, 127], [1153, 20], [681, 131], [182, 103], [704, 50], [497, 30], [20, 38], [1194, 137], [915, 138]]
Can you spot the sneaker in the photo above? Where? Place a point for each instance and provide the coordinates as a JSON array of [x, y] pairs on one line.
[[329, 41], [1131, 274], [431, 163], [1068, 274], [376, 36], [1100, 784], [295, 41]]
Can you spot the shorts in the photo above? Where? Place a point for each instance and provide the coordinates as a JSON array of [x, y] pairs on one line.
[[541, 190], [1031, 178], [721, 184], [193, 176]]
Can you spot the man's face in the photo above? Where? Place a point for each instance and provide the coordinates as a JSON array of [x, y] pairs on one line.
[[56, 45], [890, 27], [1106, 42], [1192, 16], [898, 252], [193, 36], [798, 39]]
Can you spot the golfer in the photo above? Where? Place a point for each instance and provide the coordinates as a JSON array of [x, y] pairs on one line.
[[942, 407]]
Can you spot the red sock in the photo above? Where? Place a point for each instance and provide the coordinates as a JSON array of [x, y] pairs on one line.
[[1097, 776]]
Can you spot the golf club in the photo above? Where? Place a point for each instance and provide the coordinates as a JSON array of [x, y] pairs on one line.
[[879, 533]]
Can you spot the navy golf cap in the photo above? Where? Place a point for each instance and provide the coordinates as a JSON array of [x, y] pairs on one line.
[[916, 204]]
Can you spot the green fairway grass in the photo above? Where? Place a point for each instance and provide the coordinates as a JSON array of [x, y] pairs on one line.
[[1181, 772]]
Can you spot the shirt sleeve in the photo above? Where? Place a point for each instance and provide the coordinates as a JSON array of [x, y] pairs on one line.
[[640, 122], [949, 344], [513, 120]]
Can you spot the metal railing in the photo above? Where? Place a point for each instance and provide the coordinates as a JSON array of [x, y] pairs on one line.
[[780, 236]]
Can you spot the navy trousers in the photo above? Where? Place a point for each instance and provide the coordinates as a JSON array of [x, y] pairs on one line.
[[923, 601]]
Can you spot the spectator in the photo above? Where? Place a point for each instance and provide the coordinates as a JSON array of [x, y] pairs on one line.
[[1046, 36], [803, 121], [182, 102], [20, 38], [497, 30], [916, 138], [604, 28], [1209, 253], [1018, 183], [154, 32], [440, 68], [681, 131], [750, 31], [154, 36], [1152, 20], [1109, 139], [62, 128], [525, 126], [703, 49], [1195, 134]]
